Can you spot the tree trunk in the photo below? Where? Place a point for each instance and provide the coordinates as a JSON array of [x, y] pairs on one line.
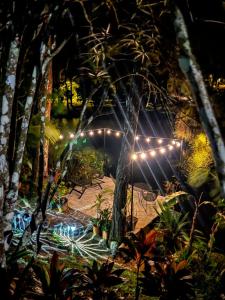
[[124, 167], [12, 195], [192, 71], [5, 121]]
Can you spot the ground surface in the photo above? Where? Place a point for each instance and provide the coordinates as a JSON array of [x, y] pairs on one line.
[[143, 208]]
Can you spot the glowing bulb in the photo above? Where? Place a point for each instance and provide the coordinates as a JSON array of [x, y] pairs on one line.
[[72, 135], [108, 131], [143, 155], [91, 133], [160, 141], [136, 138], [117, 133], [173, 142], [147, 140], [99, 131], [162, 150], [61, 136], [82, 134], [170, 147], [153, 153], [134, 156], [178, 144]]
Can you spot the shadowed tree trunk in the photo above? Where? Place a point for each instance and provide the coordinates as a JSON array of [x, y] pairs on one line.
[[124, 166], [193, 73], [12, 194], [5, 121]]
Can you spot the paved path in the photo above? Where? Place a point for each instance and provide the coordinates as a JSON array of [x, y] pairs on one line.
[[143, 210]]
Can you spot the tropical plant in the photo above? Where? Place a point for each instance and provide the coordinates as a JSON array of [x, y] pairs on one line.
[[139, 248], [56, 282], [98, 280], [169, 280], [173, 226]]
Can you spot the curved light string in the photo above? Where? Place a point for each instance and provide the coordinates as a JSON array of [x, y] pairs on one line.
[[165, 145]]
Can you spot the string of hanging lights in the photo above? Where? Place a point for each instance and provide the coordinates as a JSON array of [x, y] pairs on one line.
[[159, 145]]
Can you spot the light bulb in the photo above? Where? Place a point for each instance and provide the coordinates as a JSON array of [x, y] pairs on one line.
[[61, 136], [82, 134], [72, 135], [148, 140], [153, 153], [170, 147], [160, 141], [117, 133], [178, 144], [136, 138], [108, 131], [143, 155], [162, 150], [91, 133], [99, 131], [173, 142], [134, 156]]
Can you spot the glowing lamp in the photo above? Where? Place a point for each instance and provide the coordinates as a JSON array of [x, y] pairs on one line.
[[173, 142], [143, 155], [108, 131], [117, 133], [170, 147], [153, 153], [99, 131], [61, 137], [148, 140], [72, 135], [178, 144], [82, 134], [134, 156], [91, 133], [136, 138], [162, 150], [160, 141]]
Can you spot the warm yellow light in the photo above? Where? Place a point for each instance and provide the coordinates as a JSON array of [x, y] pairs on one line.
[[99, 131], [61, 136], [153, 153], [134, 156], [91, 133], [178, 144], [82, 134], [173, 142], [143, 155], [160, 141], [170, 147], [147, 140], [108, 131], [162, 150], [72, 135], [136, 138]]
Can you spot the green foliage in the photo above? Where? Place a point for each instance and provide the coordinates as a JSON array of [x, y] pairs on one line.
[[173, 226]]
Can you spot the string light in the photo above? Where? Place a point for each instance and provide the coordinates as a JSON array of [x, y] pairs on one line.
[[117, 133], [134, 156], [108, 131], [170, 147], [72, 135], [173, 142], [143, 155], [99, 131], [148, 140], [136, 138], [178, 144], [162, 150], [82, 134], [160, 141], [91, 133], [61, 136], [153, 153]]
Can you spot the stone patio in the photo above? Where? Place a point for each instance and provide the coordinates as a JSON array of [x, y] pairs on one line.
[[143, 210]]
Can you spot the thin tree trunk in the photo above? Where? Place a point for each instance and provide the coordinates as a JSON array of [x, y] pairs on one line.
[[12, 195], [5, 121], [123, 169], [194, 76]]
